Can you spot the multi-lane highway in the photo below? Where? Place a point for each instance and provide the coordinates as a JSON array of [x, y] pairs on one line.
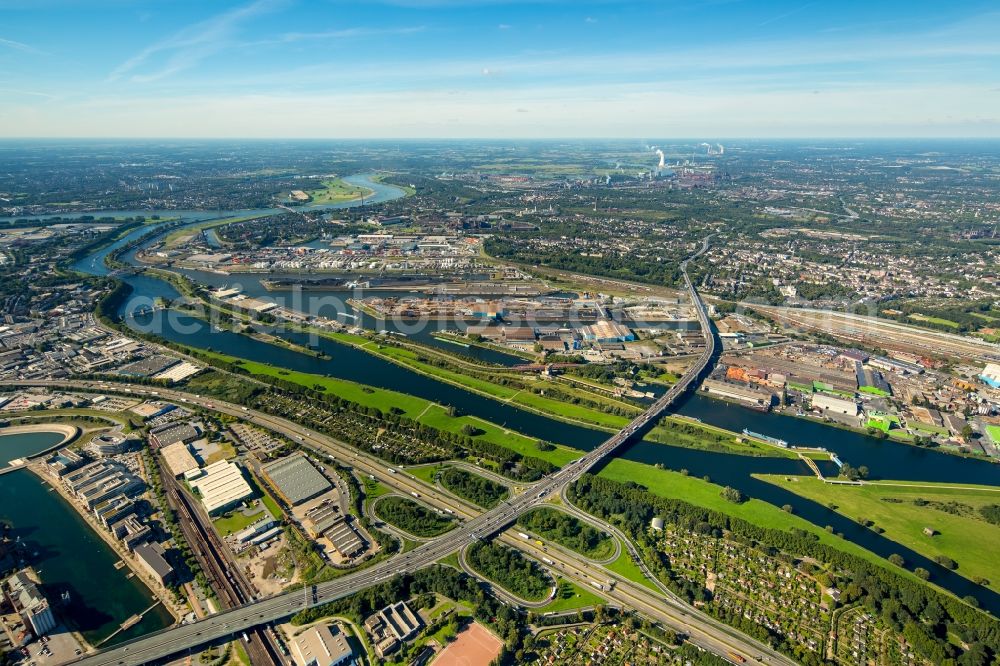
[[235, 621]]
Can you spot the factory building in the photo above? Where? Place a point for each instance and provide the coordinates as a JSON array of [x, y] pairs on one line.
[[296, 479], [754, 396], [834, 404], [322, 645], [259, 532], [327, 522], [991, 375], [607, 331], [178, 458], [221, 486], [171, 433]]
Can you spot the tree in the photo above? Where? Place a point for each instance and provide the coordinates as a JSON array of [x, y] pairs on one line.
[[897, 559], [733, 495]]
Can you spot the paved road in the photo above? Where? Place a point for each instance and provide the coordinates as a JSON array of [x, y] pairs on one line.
[[235, 621]]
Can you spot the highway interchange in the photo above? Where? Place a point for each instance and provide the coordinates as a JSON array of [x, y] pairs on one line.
[[701, 629]]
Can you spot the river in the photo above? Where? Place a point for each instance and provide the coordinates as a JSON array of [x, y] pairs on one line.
[[884, 459]]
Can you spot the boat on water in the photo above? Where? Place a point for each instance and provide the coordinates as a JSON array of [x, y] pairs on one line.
[[767, 438]]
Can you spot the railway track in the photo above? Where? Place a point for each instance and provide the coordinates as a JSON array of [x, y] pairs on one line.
[[232, 589]]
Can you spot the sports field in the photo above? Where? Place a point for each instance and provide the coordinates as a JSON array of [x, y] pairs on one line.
[[473, 646]]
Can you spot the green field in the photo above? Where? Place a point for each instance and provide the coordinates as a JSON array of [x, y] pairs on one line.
[[679, 431], [927, 427], [413, 407], [625, 568], [993, 432], [934, 320], [177, 235], [414, 519], [337, 191], [551, 524], [966, 538], [570, 596], [512, 395], [674, 485], [880, 424], [425, 473], [237, 520]]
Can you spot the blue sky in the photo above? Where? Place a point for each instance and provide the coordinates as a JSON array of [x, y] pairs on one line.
[[493, 68]]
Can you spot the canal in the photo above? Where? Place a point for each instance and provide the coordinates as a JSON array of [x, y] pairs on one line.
[[885, 459]]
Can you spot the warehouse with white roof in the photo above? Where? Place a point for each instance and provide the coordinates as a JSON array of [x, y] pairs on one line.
[[221, 486]]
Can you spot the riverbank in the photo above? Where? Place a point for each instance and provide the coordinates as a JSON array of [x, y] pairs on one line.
[[161, 593], [905, 512], [74, 561], [906, 441], [705, 493]]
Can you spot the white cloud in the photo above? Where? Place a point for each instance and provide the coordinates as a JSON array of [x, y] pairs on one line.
[[189, 46], [18, 46]]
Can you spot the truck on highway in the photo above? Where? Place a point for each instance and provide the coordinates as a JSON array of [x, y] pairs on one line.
[[597, 585], [524, 536], [737, 658], [548, 561], [414, 493], [391, 470]]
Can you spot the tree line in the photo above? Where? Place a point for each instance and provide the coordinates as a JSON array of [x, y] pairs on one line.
[[923, 615]]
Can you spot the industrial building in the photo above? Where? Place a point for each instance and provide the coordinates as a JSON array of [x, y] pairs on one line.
[[259, 532], [895, 365], [834, 404], [171, 433], [322, 645], [991, 375], [327, 522], [754, 396], [607, 330], [296, 479], [221, 486], [178, 459]]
